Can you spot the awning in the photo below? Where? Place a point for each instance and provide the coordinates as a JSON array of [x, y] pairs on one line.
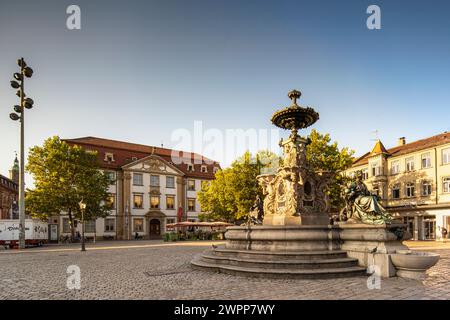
[[187, 224]]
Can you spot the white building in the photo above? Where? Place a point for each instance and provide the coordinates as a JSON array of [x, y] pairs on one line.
[[151, 189]]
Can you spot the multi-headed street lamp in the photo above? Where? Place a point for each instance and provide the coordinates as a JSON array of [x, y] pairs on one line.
[[19, 114]]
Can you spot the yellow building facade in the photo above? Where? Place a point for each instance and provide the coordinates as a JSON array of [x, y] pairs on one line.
[[413, 181]]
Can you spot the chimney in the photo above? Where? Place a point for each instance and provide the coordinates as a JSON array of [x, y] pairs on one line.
[[401, 141]]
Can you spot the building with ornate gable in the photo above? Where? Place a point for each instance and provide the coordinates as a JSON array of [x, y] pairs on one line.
[[153, 186], [9, 193], [413, 181]]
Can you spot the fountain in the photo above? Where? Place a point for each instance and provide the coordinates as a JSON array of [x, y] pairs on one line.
[[296, 239]]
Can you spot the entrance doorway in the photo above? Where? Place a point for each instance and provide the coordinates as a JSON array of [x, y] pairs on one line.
[[155, 228], [409, 221], [53, 233], [430, 228]]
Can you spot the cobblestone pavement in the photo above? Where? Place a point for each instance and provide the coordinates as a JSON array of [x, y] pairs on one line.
[[154, 270]]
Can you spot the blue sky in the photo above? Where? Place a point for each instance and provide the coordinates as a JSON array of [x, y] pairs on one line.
[[138, 70]]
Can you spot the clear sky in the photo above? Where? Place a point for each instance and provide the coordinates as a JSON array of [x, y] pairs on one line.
[[138, 70]]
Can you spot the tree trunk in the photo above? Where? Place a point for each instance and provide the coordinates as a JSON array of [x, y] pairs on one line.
[[72, 225]]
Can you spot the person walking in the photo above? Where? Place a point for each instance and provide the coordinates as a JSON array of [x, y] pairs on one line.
[[444, 234]]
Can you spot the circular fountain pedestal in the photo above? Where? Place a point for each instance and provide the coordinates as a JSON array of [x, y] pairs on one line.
[[281, 252], [283, 238]]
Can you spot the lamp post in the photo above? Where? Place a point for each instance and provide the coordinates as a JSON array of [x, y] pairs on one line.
[[82, 209], [19, 114]]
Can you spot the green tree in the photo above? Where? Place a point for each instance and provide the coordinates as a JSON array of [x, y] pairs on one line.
[[231, 195], [321, 154], [63, 176]]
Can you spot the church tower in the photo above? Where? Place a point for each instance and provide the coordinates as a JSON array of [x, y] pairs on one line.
[[14, 172]]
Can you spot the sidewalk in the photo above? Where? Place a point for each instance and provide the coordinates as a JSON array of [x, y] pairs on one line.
[[430, 244]]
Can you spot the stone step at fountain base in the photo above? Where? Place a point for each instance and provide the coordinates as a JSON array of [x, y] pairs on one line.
[[283, 265]]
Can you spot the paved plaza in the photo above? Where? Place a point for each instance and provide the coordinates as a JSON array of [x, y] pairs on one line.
[[158, 270]]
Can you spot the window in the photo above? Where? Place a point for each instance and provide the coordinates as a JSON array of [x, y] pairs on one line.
[[446, 156], [204, 169], [170, 202], [90, 226], [170, 221], [111, 201], [365, 174], [215, 169], [66, 225], [426, 160], [154, 181], [191, 185], [170, 182], [426, 188], [395, 167], [376, 169], [134, 158], [396, 192], [191, 204], [109, 157], [410, 189], [138, 200], [154, 202], [190, 167], [109, 225], [138, 225], [138, 179], [111, 175], [446, 185], [410, 164]]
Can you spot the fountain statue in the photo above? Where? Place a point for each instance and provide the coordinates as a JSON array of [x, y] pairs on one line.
[[362, 206], [289, 235], [295, 195]]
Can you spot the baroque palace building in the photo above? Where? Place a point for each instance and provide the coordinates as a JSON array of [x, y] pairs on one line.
[[9, 193], [413, 181], [151, 189]]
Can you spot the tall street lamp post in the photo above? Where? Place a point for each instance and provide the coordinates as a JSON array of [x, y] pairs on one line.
[[82, 209], [19, 114]]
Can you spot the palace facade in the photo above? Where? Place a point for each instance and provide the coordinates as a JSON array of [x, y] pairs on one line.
[[153, 187], [413, 181], [9, 193]]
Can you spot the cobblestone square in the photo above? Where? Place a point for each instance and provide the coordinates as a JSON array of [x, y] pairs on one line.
[[158, 270]]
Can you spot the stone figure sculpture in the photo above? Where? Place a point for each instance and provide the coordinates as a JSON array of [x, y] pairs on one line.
[[362, 206], [256, 214]]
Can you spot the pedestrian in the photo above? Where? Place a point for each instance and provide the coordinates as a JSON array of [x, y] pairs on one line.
[[136, 236], [444, 234]]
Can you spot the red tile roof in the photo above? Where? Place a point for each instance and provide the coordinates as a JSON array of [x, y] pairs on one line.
[[8, 183], [124, 152], [414, 146]]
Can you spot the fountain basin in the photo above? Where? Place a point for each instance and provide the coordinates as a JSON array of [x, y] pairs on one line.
[[413, 264], [283, 238]]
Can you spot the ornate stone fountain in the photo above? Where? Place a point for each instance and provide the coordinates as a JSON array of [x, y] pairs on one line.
[[295, 239]]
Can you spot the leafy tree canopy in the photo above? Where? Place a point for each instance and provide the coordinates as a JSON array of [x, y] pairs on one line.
[[63, 176], [231, 195]]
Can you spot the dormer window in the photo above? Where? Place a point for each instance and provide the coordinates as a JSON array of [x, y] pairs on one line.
[[204, 169], [215, 169], [190, 167], [134, 158], [109, 157]]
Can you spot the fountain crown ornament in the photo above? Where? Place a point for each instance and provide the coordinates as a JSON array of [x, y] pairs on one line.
[[295, 117]]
